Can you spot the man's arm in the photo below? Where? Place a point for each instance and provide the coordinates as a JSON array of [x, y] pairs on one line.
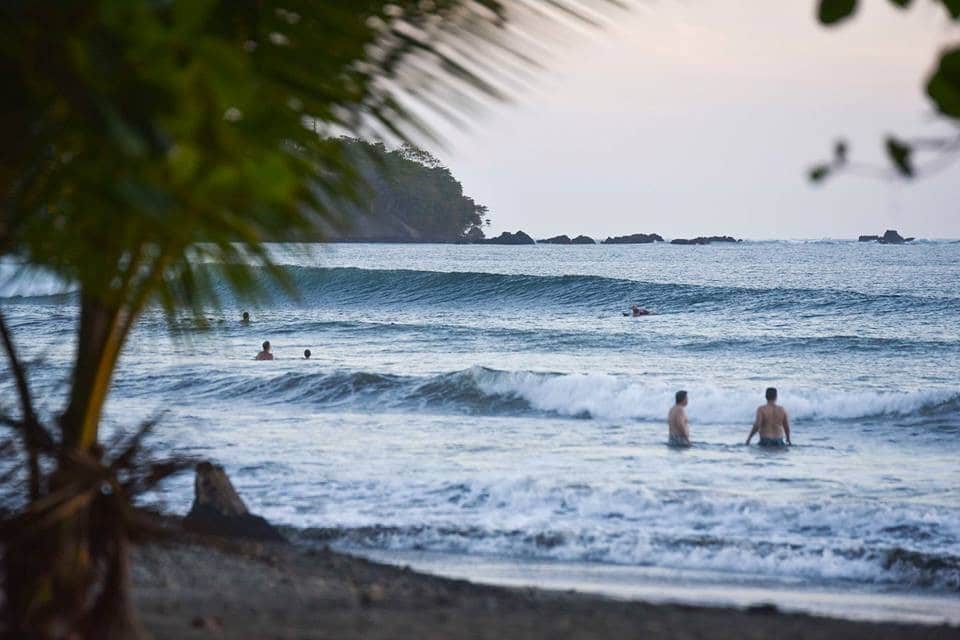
[[756, 427], [685, 426], [786, 426]]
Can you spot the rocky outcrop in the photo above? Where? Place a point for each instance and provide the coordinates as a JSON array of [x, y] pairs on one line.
[[636, 238], [705, 240], [510, 238], [565, 239], [890, 236], [218, 510]]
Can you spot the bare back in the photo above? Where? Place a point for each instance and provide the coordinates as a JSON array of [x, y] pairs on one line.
[[771, 419], [677, 420]]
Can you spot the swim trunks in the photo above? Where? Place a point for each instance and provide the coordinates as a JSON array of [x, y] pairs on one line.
[[674, 441], [772, 442]]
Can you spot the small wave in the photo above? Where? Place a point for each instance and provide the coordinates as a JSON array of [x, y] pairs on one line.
[[484, 391], [351, 286], [815, 562], [405, 289]]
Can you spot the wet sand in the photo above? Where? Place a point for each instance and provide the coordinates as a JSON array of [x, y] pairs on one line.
[[203, 588]]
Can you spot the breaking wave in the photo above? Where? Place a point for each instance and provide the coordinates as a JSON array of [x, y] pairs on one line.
[[484, 391]]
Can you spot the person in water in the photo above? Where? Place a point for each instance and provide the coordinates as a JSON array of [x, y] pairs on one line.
[[245, 318], [772, 423], [306, 354], [637, 311], [265, 354], [677, 421]]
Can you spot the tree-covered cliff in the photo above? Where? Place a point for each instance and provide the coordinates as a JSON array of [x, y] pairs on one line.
[[409, 197]]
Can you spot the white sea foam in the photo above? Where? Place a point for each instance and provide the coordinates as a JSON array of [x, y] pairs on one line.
[[737, 535], [608, 396]]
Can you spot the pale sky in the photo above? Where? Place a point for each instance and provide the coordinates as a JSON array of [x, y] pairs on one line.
[[702, 117]]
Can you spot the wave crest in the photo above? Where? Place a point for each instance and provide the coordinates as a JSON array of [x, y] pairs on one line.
[[484, 391]]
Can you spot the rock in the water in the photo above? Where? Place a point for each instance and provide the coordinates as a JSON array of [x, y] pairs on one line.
[[704, 240], [510, 238], [890, 236], [722, 239], [636, 238], [565, 239], [218, 510]]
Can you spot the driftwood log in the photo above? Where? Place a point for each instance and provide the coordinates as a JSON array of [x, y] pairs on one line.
[[218, 509]]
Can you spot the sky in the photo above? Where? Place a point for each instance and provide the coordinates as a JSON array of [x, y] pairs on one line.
[[702, 117]]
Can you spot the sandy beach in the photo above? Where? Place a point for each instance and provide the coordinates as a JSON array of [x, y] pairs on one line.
[[201, 588]]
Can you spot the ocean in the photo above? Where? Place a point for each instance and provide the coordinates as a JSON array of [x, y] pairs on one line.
[[488, 412]]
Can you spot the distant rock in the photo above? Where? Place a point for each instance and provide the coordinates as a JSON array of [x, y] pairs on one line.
[[723, 239], [890, 236], [510, 238], [565, 239], [218, 510], [636, 238], [705, 240]]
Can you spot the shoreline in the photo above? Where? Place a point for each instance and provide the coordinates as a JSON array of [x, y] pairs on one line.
[[193, 587], [658, 585]]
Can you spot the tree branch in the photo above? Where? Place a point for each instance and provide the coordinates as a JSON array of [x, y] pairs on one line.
[[34, 435]]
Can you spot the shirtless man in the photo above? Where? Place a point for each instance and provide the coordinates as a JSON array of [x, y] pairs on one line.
[[772, 423], [677, 420], [265, 354]]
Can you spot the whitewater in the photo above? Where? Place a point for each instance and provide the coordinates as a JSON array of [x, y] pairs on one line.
[[489, 412]]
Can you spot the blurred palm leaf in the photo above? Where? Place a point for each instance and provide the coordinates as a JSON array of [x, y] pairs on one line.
[[147, 137]]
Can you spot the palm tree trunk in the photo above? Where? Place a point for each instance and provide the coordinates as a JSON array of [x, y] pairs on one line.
[[69, 577], [49, 573], [100, 338]]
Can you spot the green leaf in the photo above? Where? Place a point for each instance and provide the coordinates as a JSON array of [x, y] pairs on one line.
[[944, 85], [819, 173], [953, 6], [900, 153], [833, 11]]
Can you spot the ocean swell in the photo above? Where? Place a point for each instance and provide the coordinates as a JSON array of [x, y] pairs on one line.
[[485, 391], [353, 286]]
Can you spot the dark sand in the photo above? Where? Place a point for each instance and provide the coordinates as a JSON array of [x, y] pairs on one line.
[[205, 589]]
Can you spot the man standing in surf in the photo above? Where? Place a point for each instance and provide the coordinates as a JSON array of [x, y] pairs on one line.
[[772, 423], [679, 435]]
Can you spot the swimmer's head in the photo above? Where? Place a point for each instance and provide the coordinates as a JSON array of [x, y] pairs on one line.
[[246, 316], [266, 345], [681, 397], [771, 394], [306, 354]]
